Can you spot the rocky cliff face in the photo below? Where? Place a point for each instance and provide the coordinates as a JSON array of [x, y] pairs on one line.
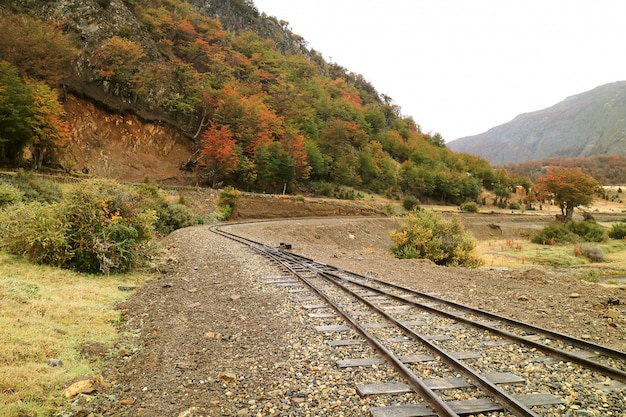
[[124, 146]]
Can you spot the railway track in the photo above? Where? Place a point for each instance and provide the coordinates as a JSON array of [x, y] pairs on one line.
[[450, 359]]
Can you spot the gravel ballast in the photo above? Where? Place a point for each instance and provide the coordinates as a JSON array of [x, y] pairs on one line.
[[213, 336]]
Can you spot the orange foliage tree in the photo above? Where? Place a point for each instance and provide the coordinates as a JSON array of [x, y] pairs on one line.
[[30, 116], [117, 59], [221, 151], [50, 129], [37, 49], [569, 187]]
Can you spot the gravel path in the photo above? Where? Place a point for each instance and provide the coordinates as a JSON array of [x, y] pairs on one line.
[[212, 338]]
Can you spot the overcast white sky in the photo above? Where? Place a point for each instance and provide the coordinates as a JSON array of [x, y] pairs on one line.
[[461, 67]]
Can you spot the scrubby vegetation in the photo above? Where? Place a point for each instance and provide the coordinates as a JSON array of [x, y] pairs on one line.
[[470, 207], [618, 230], [514, 205], [226, 204], [410, 202], [571, 232], [35, 188], [98, 227], [9, 194], [427, 235]]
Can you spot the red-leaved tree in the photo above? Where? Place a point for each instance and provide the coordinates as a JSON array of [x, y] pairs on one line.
[[569, 187], [221, 151]]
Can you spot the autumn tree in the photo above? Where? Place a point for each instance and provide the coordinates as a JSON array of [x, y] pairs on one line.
[[376, 168], [117, 59], [15, 108], [221, 151], [416, 180], [48, 124], [569, 187], [275, 168], [37, 49], [249, 118], [501, 188], [30, 115]]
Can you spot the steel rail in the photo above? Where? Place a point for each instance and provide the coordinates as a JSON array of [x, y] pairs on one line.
[[417, 384], [288, 260], [496, 392], [499, 395], [570, 357], [580, 343]]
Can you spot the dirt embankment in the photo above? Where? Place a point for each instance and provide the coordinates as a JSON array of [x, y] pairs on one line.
[[256, 206], [123, 146]]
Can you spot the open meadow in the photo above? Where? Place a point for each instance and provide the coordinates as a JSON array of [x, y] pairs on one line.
[[48, 315]]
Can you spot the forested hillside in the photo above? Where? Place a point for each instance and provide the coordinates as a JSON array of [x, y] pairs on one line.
[[261, 110], [607, 169]]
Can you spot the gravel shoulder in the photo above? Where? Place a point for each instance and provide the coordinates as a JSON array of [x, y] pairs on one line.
[[211, 337]]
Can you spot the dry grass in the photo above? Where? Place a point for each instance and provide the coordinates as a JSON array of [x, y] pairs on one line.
[[49, 313], [521, 253]]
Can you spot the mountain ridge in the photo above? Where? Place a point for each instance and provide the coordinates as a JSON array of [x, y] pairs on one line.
[[582, 125]]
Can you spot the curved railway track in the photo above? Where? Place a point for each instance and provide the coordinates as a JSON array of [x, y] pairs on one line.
[[450, 359]]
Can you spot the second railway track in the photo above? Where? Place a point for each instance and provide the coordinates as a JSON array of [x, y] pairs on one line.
[[449, 359]]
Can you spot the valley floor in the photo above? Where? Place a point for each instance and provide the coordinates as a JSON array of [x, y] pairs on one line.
[[199, 341]]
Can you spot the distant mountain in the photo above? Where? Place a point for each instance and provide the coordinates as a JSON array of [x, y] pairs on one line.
[[588, 124]]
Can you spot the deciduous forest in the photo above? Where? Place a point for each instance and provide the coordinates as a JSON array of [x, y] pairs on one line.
[[265, 113]]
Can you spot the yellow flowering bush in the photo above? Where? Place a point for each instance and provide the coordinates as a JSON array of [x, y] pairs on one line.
[[427, 235]]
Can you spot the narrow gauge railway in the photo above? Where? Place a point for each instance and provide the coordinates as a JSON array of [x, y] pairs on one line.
[[450, 359]]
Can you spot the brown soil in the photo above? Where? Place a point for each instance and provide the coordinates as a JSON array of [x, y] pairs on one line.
[[124, 146], [210, 338]]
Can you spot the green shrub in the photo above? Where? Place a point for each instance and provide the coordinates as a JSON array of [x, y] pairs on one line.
[[514, 205], [9, 195], [590, 276], [585, 231], [336, 191], [299, 197], [38, 231], [324, 188], [555, 233], [36, 188], [228, 197], [172, 217], [425, 234], [149, 189], [588, 230], [618, 231], [225, 204], [410, 202], [470, 207], [222, 213]]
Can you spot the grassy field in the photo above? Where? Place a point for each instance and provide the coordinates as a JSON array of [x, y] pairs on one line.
[[50, 313], [521, 253]]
